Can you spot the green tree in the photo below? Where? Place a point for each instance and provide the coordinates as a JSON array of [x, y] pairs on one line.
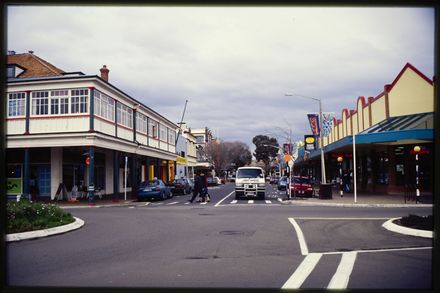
[[266, 149]]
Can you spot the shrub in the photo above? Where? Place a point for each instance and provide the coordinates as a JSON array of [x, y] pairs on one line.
[[25, 216]]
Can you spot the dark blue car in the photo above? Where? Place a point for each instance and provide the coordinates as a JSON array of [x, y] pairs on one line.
[[152, 189]]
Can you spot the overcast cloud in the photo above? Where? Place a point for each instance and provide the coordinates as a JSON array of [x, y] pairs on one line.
[[233, 64]]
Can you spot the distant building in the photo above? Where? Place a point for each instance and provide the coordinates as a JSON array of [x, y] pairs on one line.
[[203, 140], [78, 130], [186, 153]]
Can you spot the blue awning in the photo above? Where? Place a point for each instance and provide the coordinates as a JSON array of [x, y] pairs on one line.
[[407, 129]]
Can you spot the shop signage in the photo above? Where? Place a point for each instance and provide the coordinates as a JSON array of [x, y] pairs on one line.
[[14, 186], [309, 142], [181, 160]]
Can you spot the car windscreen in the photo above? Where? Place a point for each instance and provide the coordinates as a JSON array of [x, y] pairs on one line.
[[249, 173], [301, 180], [149, 183]]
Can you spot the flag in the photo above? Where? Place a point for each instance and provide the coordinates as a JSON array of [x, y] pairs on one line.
[[327, 123], [314, 123]]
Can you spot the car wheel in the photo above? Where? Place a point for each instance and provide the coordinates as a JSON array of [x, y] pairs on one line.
[[163, 195]]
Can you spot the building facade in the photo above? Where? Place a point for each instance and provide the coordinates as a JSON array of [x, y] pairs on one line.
[[387, 128], [71, 131], [187, 154]]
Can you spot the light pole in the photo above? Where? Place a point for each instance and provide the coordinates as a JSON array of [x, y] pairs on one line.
[[416, 151], [323, 179]]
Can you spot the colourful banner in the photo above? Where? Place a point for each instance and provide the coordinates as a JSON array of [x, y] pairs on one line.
[[314, 123], [327, 123], [286, 148]]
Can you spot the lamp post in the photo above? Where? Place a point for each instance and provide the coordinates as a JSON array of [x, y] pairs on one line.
[[416, 151], [323, 179], [341, 191]]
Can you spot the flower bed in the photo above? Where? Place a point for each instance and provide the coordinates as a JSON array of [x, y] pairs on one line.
[[417, 222], [25, 216]]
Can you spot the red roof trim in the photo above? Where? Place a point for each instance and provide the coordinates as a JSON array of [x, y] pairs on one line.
[[409, 65], [362, 99]]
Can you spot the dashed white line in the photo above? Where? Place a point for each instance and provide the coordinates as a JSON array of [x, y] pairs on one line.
[[172, 203], [342, 276], [234, 201], [303, 271], [205, 202], [268, 201], [147, 203], [250, 201]]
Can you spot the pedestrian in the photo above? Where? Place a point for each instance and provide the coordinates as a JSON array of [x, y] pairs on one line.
[[197, 187], [346, 181], [204, 187]]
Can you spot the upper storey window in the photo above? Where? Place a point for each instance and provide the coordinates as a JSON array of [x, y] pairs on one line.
[[40, 103], [16, 104], [59, 102], [152, 128], [141, 122], [171, 136], [162, 133], [104, 106], [79, 101], [125, 115]]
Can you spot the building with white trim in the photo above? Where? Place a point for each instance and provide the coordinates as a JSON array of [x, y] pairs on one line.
[[79, 130]]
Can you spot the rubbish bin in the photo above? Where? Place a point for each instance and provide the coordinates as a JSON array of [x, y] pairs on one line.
[[325, 191]]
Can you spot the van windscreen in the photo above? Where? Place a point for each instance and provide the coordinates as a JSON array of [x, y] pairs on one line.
[[249, 173]]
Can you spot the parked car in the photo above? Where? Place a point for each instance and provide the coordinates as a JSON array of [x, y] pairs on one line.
[[181, 186], [301, 186], [151, 189], [213, 181], [282, 183]]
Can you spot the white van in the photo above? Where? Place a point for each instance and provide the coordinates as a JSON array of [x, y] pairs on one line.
[[250, 182]]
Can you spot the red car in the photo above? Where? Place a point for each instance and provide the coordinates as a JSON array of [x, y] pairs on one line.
[[301, 186]]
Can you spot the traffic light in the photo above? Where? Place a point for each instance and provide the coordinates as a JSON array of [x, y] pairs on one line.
[[87, 160]]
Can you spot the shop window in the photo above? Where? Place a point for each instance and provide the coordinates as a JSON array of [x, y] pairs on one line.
[[382, 170]]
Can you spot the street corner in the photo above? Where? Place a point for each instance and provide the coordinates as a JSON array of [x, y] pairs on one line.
[[391, 226]]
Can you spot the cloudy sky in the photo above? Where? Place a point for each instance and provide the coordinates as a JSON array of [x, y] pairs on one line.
[[233, 64]]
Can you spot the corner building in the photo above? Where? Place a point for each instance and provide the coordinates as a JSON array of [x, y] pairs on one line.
[[72, 129]]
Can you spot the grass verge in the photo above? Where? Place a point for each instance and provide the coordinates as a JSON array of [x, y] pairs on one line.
[[24, 216]]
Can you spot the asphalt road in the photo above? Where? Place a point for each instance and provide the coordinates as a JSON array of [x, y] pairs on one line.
[[227, 244]]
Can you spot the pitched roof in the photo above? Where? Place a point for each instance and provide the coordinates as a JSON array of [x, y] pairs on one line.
[[33, 65]]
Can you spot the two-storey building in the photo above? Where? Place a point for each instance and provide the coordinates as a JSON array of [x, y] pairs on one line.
[[68, 129]]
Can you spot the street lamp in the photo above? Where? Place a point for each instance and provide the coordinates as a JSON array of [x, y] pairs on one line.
[[341, 192], [416, 151], [323, 179]]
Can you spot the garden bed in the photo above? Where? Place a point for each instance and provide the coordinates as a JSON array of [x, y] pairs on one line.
[[417, 222], [24, 216]]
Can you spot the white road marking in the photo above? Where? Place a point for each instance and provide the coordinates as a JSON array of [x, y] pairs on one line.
[[342, 276], [303, 271], [280, 200], [171, 203], [382, 250], [268, 201], [234, 201], [187, 202], [205, 202], [131, 207], [250, 201], [329, 218], [147, 203], [301, 239], [224, 198]]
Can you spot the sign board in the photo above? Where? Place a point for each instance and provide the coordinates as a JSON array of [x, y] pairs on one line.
[[14, 186], [91, 187], [309, 141], [181, 160], [287, 158]]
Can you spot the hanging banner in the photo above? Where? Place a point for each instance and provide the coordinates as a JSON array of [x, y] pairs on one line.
[[314, 123], [327, 123], [309, 142]]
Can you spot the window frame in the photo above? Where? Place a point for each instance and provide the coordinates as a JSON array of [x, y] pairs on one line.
[[19, 104]]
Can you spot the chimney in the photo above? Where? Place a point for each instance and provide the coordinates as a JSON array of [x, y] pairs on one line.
[[104, 72], [11, 52], [31, 52]]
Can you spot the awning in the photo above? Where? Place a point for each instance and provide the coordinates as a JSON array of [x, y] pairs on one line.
[[407, 129]]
